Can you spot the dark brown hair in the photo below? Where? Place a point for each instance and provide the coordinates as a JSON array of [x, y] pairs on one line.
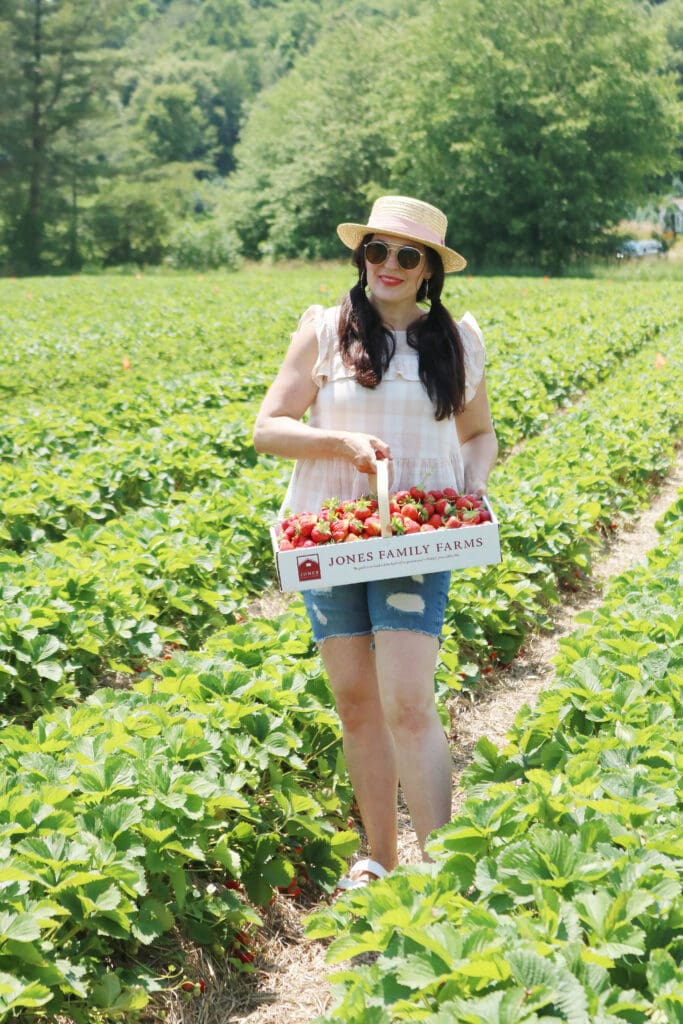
[[368, 346]]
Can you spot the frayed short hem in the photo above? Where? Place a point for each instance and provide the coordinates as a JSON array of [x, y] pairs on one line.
[[384, 629], [342, 636], [407, 629]]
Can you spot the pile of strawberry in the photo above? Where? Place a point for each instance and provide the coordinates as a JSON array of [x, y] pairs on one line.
[[413, 511]]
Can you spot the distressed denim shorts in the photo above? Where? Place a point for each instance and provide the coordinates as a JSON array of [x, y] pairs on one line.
[[416, 603]]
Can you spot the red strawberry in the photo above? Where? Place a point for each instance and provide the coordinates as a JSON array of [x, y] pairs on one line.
[[362, 509], [426, 528], [398, 525], [410, 525], [410, 511], [373, 527], [339, 530], [441, 506], [293, 890], [470, 517], [436, 521], [453, 523], [450, 493], [417, 494], [306, 522], [320, 533]]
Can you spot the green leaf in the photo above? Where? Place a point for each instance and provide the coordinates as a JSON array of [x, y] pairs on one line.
[[15, 993], [50, 670], [153, 919], [19, 927], [345, 843]]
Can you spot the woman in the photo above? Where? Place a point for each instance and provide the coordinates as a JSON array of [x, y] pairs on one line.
[[382, 379]]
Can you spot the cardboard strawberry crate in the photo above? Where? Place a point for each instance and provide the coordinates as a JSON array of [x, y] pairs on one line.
[[386, 557]]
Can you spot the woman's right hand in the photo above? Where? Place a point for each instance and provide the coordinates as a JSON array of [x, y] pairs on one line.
[[364, 451]]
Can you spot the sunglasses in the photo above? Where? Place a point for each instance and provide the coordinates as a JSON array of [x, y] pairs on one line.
[[407, 256]]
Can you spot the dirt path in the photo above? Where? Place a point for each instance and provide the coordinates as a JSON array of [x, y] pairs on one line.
[[290, 985]]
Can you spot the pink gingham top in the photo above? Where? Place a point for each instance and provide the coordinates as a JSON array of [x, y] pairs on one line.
[[425, 451]]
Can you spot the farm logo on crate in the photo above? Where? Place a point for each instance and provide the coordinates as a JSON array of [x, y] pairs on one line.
[[308, 567]]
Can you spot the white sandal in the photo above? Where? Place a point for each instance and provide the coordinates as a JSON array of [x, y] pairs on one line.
[[361, 867]]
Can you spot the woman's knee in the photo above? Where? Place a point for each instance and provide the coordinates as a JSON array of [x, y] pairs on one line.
[[359, 712], [408, 714], [350, 666]]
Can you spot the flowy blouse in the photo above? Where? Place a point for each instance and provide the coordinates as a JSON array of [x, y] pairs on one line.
[[425, 451]]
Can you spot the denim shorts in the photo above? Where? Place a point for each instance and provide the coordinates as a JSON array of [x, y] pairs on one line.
[[416, 603]]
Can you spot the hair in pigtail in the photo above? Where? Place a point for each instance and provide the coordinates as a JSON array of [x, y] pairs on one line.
[[363, 341], [440, 350]]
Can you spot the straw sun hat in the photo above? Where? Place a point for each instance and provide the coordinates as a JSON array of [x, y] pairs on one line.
[[407, 218]]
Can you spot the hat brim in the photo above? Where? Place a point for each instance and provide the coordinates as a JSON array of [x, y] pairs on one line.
[[353, 234]]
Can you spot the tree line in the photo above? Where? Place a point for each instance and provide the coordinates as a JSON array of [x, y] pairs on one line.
[[196, 133]]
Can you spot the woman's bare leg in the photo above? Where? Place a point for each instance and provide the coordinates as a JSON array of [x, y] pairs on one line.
[[368, 743], [405, 671]]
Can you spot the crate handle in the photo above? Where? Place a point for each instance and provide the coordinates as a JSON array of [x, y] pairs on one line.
[[383, 496]]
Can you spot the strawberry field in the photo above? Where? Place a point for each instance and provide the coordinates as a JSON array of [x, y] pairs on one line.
[[170, 758]]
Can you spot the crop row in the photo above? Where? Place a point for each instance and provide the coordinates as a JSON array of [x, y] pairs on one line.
[[557, 497], [113, 596], [62, 472], [98, 417], [44, 499], [557, 893], [60, 339], [566, 334], [181, 804], [65, 338]]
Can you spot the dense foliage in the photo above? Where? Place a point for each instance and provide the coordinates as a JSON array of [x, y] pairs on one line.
[[169, 760], [557, 892], [196, 133]]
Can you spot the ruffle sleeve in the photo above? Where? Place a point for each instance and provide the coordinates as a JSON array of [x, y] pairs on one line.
[[325, 367], [475, 354]]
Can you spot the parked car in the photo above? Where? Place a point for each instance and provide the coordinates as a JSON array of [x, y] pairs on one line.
[[640, 247]]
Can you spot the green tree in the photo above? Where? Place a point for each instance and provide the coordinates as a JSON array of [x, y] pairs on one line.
[[129, 223], [545, 122], [533, 127], [174, 125], [183, 108], [52, 81], [312, 150]]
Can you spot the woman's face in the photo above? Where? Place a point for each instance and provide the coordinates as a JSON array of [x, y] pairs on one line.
[[390, 279]]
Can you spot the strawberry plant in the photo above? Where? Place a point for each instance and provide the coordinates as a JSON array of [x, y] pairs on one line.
[[133, 535], [125, 816], [557, 893]]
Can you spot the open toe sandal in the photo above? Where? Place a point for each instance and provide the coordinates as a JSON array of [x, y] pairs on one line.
[[360, 874]]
